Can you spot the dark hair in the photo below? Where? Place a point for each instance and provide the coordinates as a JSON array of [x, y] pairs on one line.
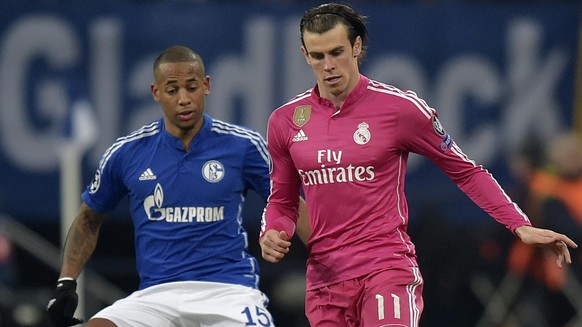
[[326, 16], [178, 53]]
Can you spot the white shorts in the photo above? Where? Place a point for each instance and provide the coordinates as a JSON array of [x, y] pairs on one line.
[[192, 304]]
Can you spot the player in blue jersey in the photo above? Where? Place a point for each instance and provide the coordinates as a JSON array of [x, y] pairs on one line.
[[186, 177]]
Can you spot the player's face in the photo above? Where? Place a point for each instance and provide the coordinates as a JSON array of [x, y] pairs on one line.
[[180, 88], [334, 60]]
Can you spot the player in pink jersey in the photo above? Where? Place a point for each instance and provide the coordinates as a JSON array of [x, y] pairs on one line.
[[345, 145]]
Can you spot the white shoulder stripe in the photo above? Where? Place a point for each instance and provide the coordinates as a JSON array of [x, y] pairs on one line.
[[145, 131], [255, 138], [456, 150], [427, 111], [297, 98]]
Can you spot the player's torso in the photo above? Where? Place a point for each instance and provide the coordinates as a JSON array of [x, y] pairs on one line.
[[170, 186], [352, 146], [185, 207], [352, 169]]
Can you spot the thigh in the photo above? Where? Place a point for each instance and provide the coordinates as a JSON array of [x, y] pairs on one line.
[[227, 305], [100, 322], [153, 306], [392, 297], [333, 305], [131, 313]]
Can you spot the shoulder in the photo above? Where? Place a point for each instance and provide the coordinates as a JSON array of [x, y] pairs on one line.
[[298, 100], [131, 141], [408, 100], [239, 137], [285, 113], [237, 132], [143, 134]]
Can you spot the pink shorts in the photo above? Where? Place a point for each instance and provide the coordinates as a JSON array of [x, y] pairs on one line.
[[391, 297]]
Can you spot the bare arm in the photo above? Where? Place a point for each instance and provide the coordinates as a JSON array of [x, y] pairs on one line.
[[81, 241]]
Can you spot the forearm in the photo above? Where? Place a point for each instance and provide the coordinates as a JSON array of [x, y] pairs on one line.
[[303, 230], [281, 212], [489, 196], [81, 242]]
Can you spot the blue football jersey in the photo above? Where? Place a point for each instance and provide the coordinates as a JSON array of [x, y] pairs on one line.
[[186, 206]]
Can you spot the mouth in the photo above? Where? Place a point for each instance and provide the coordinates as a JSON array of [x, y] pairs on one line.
[[186, 115], [332, 79]]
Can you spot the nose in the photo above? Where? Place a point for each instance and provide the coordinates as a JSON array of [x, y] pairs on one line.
[[183, 98], [328, 64]]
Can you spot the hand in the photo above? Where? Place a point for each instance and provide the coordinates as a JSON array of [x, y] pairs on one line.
[[62, 306], [555, 242], [274, 245]]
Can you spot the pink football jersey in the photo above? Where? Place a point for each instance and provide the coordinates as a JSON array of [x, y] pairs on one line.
[[350, 164]]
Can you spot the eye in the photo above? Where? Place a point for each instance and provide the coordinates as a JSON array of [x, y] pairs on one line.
[[171, 90], [317, 56], [337, 53]]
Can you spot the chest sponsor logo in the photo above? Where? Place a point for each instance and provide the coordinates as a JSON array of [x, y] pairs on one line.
[[334, 170], [362, 135], [213, 171], [156, 211], [301, 115]]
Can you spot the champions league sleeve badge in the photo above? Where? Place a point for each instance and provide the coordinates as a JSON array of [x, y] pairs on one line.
[[447, 140], [362, 135], [96, 182], [438, 128]]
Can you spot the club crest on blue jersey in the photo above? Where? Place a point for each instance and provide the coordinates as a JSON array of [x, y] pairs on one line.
[[301, 115], [96, 182], [213, 171], [362, 135]]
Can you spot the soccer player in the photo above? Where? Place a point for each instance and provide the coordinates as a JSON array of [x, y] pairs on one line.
[[345, 145], [186, 177]]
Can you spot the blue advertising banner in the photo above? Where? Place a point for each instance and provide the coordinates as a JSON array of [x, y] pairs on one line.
[[80, 72]]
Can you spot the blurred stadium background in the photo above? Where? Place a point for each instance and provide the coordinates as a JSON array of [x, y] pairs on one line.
[[75, 75]]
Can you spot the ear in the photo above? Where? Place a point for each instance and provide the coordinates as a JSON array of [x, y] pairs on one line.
[[305, 54], [358, 46], [155, 92], [207, 85]]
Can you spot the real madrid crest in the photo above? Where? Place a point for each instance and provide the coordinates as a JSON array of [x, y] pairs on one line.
[[301, 115], [362, 134]]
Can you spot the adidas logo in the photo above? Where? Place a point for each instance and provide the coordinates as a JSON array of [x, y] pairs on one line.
[[300, 136], [147, 175]]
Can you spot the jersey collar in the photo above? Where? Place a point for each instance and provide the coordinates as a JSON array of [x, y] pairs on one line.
[[353, 97], [176, 143]]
